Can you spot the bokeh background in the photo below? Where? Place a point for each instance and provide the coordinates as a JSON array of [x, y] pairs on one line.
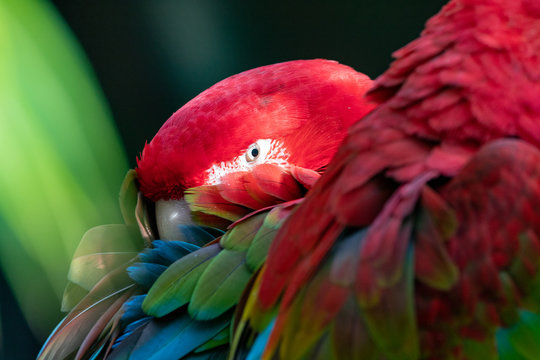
[[83, 85]]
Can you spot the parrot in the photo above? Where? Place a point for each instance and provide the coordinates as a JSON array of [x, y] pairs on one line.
[[422, 238], [201, 208]]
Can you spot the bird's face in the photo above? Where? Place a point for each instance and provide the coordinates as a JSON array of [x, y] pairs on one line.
[[293, 113], [172, 212]]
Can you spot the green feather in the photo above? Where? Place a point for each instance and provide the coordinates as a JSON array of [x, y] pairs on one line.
[[435, 267], [520, 271], [87, 270], [392, 321], [101, 250], [175, 286], [484, 350], [523, 338], [206, 199], [220, 286], [241, 235], [505, 348], [73, 293], [350, 328], [302, 332], [128, 197], [258, 251]]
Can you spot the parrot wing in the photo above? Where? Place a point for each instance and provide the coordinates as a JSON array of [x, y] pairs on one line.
[[430, 275], [497, 250], [390, 299], [319, 249]]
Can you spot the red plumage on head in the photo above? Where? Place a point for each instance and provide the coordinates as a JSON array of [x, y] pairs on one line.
[[307, 105]]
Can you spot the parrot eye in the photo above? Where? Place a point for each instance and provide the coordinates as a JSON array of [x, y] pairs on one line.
[[253, 152]]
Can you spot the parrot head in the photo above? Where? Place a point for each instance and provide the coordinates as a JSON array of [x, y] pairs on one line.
[[291, 113]]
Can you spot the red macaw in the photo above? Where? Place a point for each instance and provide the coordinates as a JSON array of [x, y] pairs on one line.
[[422, 238], [208, 195]]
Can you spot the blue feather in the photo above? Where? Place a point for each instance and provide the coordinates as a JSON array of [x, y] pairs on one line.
[[145, 274], [176, 335], [96, 355], [199, 235], [166, 252], [144, 336], [220, 353], [130, 330], [132, 310], [155, 261], [257, 349]]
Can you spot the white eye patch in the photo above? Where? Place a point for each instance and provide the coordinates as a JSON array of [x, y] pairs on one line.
[[263, 151]]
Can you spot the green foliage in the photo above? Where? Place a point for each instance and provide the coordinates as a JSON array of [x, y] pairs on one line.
[[62, 160]]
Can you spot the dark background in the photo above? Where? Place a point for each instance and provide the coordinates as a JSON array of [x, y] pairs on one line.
[[150, 57]]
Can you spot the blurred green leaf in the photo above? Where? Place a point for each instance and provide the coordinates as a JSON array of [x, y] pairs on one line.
[[62, 161]]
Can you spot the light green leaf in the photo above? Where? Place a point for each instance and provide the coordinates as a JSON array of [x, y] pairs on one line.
[[62, 159]]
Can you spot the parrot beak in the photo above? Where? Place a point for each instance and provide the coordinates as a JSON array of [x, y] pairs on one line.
[[170, 214]]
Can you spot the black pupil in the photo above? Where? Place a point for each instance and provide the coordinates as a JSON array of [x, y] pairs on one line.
[[254, 152]]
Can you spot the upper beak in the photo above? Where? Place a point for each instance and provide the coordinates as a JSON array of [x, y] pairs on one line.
[[170, 214]]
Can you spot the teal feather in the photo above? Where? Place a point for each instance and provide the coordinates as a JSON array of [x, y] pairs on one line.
[[506, 350], [176, 335], [522, 340], [222, 338]]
